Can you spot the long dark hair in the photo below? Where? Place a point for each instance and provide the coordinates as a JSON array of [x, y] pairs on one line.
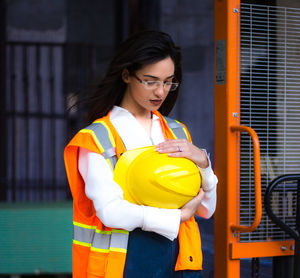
[[139, 50]]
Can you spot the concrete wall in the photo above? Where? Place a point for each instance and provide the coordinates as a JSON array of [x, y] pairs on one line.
[[36, 20]]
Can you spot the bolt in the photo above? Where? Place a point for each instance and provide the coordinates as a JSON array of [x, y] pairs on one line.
[[283, 248], [292, 247]]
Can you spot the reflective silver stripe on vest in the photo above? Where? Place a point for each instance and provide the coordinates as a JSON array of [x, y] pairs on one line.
[[176, 127], [116, 241], [102, 135], [119, 240], [109, 153], [100, 241], [83, 235]]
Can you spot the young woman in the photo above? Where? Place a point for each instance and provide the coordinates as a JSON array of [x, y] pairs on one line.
[[112, 237]]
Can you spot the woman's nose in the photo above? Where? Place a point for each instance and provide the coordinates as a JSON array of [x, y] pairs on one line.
[[160, 91]]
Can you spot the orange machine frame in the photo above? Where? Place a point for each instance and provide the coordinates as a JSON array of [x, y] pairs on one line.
[[228, 250]]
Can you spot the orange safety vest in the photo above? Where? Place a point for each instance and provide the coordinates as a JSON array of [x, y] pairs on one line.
[[100, 251]]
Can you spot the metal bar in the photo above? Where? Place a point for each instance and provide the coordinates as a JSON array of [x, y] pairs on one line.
[[3, 97], [26, 123], [297, 242], [53, 121], [13, 122], [267, 201], [65, 88], [242, 250], [226, 154], [37, 44], [38, 115], [40, 130], [270, 4], [255, 268]]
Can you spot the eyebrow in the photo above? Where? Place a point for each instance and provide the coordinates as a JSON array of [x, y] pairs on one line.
[[155, 77]]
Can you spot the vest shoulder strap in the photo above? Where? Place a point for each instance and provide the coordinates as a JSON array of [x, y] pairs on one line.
[[177, 128], [106, 142], [104, 139]]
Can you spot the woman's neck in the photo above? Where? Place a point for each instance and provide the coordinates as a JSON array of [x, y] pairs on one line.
[[146, 123], [143, 117], [138, 113]]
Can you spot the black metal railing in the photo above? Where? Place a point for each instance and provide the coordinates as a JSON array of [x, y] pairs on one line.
[[280, 266]]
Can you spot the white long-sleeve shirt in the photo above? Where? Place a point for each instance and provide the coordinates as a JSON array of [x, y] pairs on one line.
[[107, 195]]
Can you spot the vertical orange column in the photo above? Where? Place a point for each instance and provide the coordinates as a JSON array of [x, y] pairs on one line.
[[226, 114]]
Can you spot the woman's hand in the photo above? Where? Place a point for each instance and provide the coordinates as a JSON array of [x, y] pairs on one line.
[[190, 208], [183, 148]]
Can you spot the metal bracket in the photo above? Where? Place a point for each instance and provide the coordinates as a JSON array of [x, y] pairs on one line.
[[236, 10]]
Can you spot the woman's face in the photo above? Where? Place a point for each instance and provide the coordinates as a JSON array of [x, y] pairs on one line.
[[139, 98]]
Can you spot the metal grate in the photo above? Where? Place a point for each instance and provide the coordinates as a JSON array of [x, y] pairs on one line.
[[35, 119], [270, 104]]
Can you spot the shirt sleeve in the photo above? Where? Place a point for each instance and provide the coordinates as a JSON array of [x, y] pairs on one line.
[[112, 209], [209, 186]]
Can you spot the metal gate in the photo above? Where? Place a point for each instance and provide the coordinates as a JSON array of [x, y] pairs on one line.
[[270, 104], [40, 82], [257, 93]]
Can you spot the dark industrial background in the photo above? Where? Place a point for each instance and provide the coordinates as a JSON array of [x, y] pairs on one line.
[[51, 50], [55, 49]]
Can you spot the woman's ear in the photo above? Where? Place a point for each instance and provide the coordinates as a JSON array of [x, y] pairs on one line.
[[125, 75]]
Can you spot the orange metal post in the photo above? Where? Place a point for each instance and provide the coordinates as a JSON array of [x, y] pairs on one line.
[[226, 110], [228, 249]]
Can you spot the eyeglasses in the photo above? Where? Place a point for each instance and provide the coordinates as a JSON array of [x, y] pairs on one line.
[[167, 85]]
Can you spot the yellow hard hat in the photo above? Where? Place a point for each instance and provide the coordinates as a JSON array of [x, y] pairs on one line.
[[153, 179]]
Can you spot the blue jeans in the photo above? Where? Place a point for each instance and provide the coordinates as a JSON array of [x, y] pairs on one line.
[[150, 255]]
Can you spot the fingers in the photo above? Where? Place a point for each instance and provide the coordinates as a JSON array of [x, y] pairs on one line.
[[200, 194], [171, 147], [183, 148], [190, 208]]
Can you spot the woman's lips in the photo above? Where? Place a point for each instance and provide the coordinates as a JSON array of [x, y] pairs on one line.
[[156, 102]]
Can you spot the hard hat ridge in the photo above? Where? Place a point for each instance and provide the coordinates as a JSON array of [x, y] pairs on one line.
[[153, 179]]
